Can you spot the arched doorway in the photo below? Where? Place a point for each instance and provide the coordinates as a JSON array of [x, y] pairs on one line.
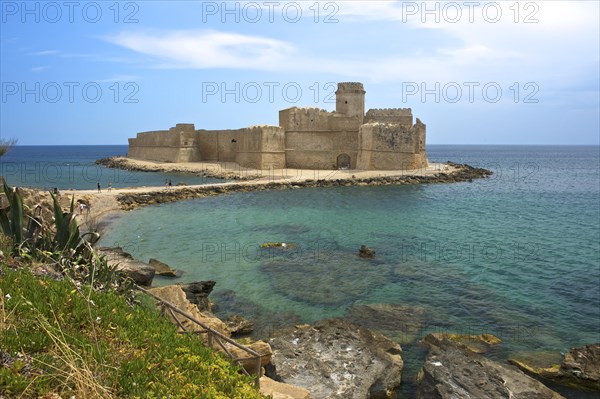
[[343, 161]]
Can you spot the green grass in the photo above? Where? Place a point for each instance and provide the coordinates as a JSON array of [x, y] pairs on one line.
[[89, 344]]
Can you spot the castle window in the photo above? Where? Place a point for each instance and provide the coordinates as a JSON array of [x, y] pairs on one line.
[[345, 102]]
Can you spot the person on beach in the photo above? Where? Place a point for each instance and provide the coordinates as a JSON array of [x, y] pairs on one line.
[[99, 188], [170, 184], [81, 208], [109, 187]]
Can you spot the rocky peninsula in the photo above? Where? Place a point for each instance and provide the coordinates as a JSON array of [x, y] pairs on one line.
[[280, 179]]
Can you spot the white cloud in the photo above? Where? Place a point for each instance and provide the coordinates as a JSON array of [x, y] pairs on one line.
[[207, 49], [119, 78], [45, 52], [40, 68], [557, 48]]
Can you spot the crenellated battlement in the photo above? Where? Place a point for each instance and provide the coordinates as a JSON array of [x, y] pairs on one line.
[[351, 87], [389, 112], [402, 116]]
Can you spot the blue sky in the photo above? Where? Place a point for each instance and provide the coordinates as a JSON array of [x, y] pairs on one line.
[[476, 72]]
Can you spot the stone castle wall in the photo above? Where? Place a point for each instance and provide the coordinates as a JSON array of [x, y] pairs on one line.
[[306, 138], [261, 147], [402, 116], [178, 144], [385, 146], [314, 138]]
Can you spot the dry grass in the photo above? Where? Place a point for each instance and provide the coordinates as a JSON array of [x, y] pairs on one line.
[[74, 370]]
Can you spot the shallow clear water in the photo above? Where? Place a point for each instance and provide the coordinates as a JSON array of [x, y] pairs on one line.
[[73, 167], [516, 255]]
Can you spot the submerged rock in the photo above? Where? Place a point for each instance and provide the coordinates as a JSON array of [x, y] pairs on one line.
[[452, 371], [366, 252], [266, 320], [579, 368], [475, 343], [331, 278], [400, 323], [337, 359]]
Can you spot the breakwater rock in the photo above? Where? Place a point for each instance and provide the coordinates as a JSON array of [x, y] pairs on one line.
[[336, 359], [130, 201]]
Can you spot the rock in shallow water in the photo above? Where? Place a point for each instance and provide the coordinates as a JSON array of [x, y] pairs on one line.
[[337, 359], [162, 269], [366, 252], [579, 368], [452, 371], [238, 325]]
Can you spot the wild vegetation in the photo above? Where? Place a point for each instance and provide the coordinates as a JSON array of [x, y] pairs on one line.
[[82, 330]]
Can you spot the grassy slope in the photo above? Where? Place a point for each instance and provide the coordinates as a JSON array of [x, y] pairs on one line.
[[58, 339]]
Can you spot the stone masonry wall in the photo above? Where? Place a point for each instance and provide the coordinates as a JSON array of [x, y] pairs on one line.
[[178, 144], [314, 138], [261, 147], [402, 116], [385, 146]]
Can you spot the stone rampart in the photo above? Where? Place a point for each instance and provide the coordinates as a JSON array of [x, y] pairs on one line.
[[178, 144]]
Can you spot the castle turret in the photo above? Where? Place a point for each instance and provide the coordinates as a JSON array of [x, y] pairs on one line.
[[350, 99]]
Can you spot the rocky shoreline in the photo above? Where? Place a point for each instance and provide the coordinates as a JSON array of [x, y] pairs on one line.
[[359, 356], [464, 173]]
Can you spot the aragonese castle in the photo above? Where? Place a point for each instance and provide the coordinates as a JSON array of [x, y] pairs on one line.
[[306, 138]]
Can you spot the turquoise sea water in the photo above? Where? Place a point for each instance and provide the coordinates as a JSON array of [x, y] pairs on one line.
[[72, 167], [516, 255]]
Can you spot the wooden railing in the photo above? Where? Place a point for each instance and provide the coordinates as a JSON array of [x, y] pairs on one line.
[[212, 336]]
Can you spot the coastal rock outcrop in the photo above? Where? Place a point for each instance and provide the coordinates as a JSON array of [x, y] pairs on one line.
[[452, 371], [161, 268], [197, 293], [337, 359], [279, 390], [239, 325], [140, 272], [175, 295], [579, 368]]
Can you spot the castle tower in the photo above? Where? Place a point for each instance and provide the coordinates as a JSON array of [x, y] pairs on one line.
[[350, 99]]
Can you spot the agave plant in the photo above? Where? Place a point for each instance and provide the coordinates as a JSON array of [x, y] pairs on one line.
[[13, 218], [67, 237]]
